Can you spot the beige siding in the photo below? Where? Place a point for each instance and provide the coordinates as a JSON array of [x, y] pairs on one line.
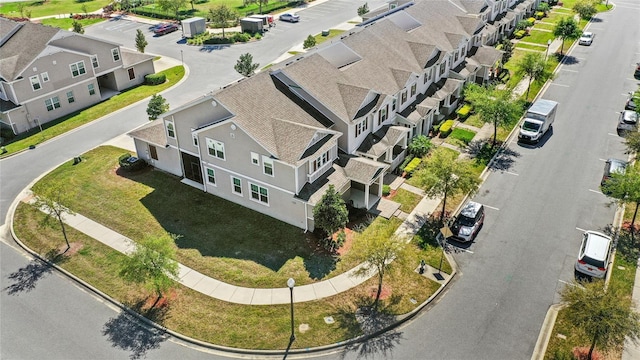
[[90, 46], [168, 158]]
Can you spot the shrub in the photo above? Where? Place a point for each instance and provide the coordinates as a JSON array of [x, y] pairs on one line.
[[531, 21], [131, 163], [241, 37], [445, 128], [386, 190], [464, 111], [413, 164], [257, 36], [420, 146], [522, 24], [218, 40], [155, 79], [405, 162], [520, 34]]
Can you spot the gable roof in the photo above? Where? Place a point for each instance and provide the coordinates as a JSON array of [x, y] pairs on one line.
[[14, 55]]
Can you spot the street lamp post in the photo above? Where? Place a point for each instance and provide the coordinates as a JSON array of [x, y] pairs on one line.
[[291, 283], [181, 57], [547, 53]]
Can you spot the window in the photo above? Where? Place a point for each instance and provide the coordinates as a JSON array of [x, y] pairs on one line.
[[70, 97], [237, 185], [153, 152], [268, 165], [430, 74], [45, 76], [216, 148], [77, 69], [92, 89], [320, 161], [132, 74], [211, 176], [195, 140], [115, 53], [35, 83], [413, 90], [53, 103], [443, 67], [393, 105], [171, 131], [362, 127], [259, 193], [382, 114], [94, 61], [403, 97], [455, 57], [255, 159]]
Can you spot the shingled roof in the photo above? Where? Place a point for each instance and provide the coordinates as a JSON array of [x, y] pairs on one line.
[[15, 55]]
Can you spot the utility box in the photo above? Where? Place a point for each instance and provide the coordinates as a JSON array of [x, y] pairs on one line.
[[251, 25], [193, 26]]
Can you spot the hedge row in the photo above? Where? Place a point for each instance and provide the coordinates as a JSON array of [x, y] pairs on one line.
[[446, 128], [155, 79]]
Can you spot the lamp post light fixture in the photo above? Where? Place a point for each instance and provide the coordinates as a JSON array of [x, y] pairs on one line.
[[547, 53], [291, 283]]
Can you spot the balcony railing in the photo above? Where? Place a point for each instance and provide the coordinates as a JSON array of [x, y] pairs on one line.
[[318, 173]]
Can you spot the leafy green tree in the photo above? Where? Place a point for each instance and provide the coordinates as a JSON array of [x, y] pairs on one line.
[[491, 105], [77, 27], [172, 6], [625, 188], [522, 25], [157, 106], [605, 314], [141, 41], [420, 146], [532, 65], [221, 15], [585, 8], [245, 65], [153, 264], [632, 142], [507, 50], [85, 9], [444, 175], [566, 29], [363, 9], [330, 214], [21, 7], [309, 42], [379, 252], [260, 3], [49, 200]]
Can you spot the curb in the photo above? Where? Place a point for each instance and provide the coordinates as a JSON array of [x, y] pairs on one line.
[[545, 333]]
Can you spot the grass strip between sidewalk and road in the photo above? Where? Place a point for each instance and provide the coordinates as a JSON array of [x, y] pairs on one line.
[[74, 120]]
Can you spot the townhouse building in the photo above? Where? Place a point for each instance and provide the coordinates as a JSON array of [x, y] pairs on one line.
[[341, 115], [46, 73]]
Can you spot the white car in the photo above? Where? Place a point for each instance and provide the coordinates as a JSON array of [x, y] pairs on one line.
[[290, 17], [595, 254], [586, 38]]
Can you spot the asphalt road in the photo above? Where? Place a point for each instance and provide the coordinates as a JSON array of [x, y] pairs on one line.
[[537, 206]]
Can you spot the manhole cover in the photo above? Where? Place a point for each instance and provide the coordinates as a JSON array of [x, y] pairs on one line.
[[303, 328], [329, 319]]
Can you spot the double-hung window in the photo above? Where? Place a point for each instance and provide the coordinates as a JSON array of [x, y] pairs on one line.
[[237, 185], [94, 61], [70, 97], [267, 165], [115, 54], [35, 83], [52, 103], [45, 76], [255, 159], [215, 148], [259, 193], [403, 97], [211, 176], [362, 127], [92, 89], [413, 90], [171, 131], [320, 161], [77, 69]]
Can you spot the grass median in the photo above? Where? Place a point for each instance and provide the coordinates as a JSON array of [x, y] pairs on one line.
[[74, 120]]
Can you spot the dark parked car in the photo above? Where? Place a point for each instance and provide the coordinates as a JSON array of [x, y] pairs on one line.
[[637, 72], [628, 122], [165, 28], [631, 103], [613, 166], [468, 222]]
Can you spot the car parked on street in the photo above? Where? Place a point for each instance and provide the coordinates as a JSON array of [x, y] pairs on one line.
[[165, 28], [628, 122], [613, 166], [636, 74], [594, 255], [468, 222], [290, 17], [631, 103], [586, 38]]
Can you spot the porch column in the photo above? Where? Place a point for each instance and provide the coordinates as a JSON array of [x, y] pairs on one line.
[[380, 183], [366, 196]]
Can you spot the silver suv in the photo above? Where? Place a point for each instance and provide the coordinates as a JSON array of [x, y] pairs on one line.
[[595, 254], [468, 222]]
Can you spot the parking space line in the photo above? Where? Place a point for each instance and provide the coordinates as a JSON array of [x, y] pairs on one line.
[[596, 191], [605, 160], [559, 84], [459, 248], [580, 229], [511, 173], [491, 207], [612, 134], [574, 71]]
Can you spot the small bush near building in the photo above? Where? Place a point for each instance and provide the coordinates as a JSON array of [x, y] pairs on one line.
[[531, 21], [539, 15], [445, 128], [155, 79], [464, 111], [520, 34], [413, 164], [386, 190], [405, 162], [131, 163]]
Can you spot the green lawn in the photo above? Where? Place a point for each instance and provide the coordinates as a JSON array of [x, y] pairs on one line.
[[407, 199], [538, 48], [40, 8], [332, 33], [539, 37], [82, 117], [460, 137], [539, 25], [67, 23]]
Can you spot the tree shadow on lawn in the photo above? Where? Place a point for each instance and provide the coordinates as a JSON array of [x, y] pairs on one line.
[[128, 333], [374, 325], [219, 228], [26, 278]]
